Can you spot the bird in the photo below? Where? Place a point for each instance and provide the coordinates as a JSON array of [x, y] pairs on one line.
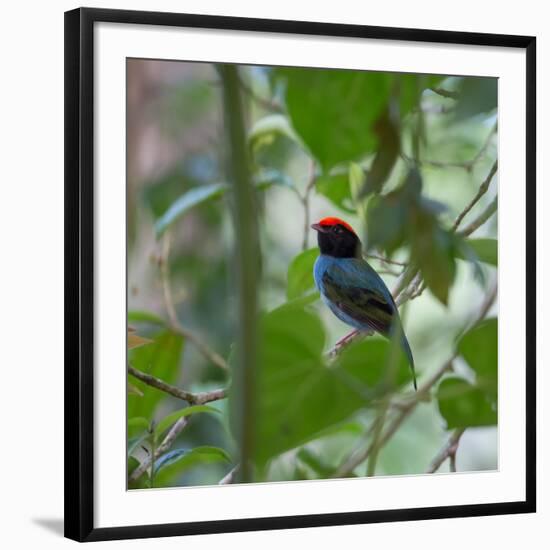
[[351, 288]]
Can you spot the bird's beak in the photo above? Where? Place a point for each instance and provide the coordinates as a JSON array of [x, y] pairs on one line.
[[318, 227]]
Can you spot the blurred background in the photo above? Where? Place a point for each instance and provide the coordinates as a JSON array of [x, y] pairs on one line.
[[441, 130]]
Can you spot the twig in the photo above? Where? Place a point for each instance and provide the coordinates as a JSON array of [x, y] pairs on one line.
[[359, 456], [481, 191], [167, 442], [267, 104], [481, 219], [386, 260], [406, 408], [230, 476], [449, 94], [447, 452], [467, 165], [191, 398], [175, 325], [305, 203]]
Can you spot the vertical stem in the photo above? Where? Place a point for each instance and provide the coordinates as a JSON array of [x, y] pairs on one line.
[[153, 451], [247, 254]]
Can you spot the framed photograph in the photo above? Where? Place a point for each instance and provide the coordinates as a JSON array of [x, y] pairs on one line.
[[300, 274]]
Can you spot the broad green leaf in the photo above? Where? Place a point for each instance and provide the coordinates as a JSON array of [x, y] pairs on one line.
[[300, 274], [169, 420], [390, 217], [479, 347], [476, 95], [300, 302], [336, 189], [463, 405], [333, 110], [389, 146], [136, 316], [486, 250], [161, 359], [433, 250], [301, 395], [190, 199], [138, 422]]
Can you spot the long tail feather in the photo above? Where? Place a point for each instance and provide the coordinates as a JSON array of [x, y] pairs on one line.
[[408, 352]]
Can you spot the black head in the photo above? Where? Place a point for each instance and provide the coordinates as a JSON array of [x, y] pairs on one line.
[[337, 238]]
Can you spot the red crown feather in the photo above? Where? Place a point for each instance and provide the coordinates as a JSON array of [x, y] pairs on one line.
[[328, 222]]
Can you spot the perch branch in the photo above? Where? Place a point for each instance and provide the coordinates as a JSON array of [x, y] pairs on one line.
[[448, 452], [192, 398], [175, 325], [407, 407]]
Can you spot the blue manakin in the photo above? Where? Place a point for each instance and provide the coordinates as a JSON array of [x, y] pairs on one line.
[[351, 288]]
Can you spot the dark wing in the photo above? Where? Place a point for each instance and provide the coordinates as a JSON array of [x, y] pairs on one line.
[[370, 306]]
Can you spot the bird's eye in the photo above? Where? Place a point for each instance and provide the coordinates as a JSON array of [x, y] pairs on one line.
[[336, 229]]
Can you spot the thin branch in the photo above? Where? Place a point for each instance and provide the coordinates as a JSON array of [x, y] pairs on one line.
[[481, 219], [175, 325], [447, 452], [386, 260], [449, 94], [359, 456], [305, 203], [192, 398], [407, 407], [230, 476], [265, 103], [467, 165], [481, 191], [165, 446]]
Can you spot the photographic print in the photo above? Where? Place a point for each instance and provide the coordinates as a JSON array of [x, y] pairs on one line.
[[372, 243]]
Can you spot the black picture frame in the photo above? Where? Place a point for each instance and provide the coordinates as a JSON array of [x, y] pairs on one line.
[[79, 272]]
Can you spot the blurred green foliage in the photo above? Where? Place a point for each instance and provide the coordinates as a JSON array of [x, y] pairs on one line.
[[397, 155]]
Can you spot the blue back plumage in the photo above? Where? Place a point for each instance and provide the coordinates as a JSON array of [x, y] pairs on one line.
[[358, 296]]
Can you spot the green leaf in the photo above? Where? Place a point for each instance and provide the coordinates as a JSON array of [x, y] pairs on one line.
[[170, 419], [190, 199], [486, 250], [270, 125], [315, 462], [333, 110], [174, 463], [479, 347], [390, 217], [463, 405], [389, 146], [161, 359], [477, 95], [300, 273], [336, 189], [138, 422], [136, 316], [433, 249], [301, 396]]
